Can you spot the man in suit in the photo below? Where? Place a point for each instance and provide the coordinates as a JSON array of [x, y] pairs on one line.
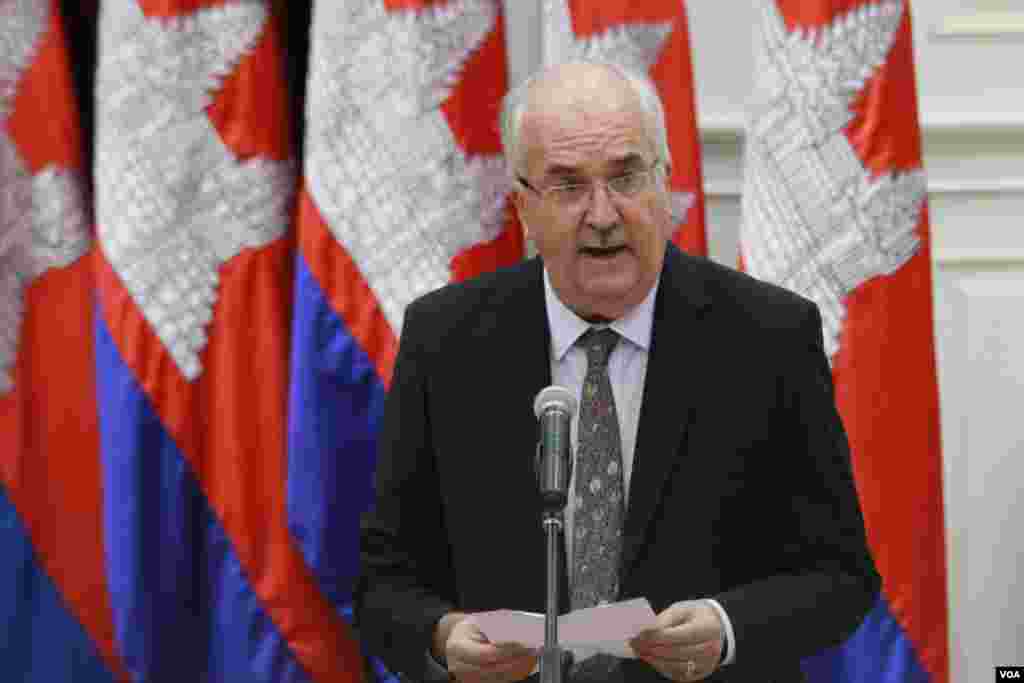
[[712, 471]]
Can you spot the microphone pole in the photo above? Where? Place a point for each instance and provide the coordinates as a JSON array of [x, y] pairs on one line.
[[554, 408]]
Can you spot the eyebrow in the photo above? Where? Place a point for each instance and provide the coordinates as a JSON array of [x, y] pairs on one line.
[[562, 171], [628, 161]]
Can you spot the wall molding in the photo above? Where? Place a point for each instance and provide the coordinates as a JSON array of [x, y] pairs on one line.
[[973, 257], [726, 189], [964, 154], [985, 25], [936, 128], [1003, 186]]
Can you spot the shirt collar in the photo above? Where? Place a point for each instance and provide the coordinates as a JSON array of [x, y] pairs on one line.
[[567, 327]]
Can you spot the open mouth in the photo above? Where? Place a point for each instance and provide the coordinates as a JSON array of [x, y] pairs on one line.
[[602, 252]]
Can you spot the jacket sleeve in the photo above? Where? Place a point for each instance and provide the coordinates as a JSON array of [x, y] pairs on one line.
[[406, 583], [826, 580]]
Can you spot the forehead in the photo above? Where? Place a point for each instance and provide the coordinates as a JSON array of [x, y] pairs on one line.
[[583, 120]]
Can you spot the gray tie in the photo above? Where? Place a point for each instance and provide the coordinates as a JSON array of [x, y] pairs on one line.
[[600, 507]]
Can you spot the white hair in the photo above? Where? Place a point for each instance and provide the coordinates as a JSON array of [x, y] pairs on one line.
[[516, 101]]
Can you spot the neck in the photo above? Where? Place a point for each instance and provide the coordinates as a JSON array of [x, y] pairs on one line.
[[595, 319]]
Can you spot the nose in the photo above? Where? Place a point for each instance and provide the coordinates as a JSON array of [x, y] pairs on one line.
[[602, 214]]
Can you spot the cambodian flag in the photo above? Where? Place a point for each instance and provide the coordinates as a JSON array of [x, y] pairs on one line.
[[404, 190], [55, 617], [835, 208], [652, 37], [194, 189]]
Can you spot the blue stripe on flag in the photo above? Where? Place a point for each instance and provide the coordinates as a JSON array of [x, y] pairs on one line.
[[879, 651], [335, 408], [40, 640], [183, 607]]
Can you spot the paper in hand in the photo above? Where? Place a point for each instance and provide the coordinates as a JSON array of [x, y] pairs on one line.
[[603, 629]]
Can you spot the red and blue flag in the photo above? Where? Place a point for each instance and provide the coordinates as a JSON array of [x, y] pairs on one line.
[[835, 207], [404, 189], [56, 622], [195, 184]]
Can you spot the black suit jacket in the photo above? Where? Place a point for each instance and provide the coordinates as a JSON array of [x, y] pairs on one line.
[[741, 487]]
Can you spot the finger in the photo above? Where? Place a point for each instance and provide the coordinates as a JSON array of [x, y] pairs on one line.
[[473, 652], [710, 650], [676, 613], [686, 672], [673, 616], [506, 670], [514, 649], [693, 631]]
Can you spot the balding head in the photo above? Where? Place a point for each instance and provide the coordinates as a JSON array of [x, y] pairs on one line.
[[581, 88]]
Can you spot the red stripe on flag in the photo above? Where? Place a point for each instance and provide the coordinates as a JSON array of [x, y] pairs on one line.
[[44, 121], [250, 111], [49, 449], [885, 132], [49, 438], [798, 13], [674, 75], [345, 288], [885, 374], [240, 469], [896, 421], [473, 112], [174, 8], [503, 251], [473, 107], [899, 420]]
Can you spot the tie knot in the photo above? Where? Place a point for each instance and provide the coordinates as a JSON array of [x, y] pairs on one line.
[[598, 344]]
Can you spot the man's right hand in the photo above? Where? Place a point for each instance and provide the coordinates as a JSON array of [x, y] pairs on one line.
[[472, 658]]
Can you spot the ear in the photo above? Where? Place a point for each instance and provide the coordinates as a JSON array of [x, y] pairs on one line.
[[518, 202], [666, 176]]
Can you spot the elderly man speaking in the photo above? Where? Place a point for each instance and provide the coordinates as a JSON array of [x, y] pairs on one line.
[[712, 472]]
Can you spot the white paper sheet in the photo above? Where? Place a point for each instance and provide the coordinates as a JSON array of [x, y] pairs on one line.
[[604, 629]]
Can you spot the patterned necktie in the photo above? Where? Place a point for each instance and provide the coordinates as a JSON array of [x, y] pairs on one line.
[[600, 508]]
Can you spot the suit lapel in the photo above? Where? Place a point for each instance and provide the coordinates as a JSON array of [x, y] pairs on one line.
[[675, 371], [522, 357], [521, 368]]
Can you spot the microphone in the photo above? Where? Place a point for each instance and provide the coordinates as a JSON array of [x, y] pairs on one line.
[[554, 408]]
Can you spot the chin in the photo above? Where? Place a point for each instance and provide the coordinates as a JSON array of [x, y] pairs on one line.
[[608, 301], [610, 285]]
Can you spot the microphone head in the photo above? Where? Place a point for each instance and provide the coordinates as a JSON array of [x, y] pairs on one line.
[[554, 397]]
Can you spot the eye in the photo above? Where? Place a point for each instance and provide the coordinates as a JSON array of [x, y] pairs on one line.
[[628, 182], [569, 191]]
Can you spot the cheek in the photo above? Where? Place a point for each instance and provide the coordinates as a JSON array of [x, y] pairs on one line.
[[648, 226], [555, 240]]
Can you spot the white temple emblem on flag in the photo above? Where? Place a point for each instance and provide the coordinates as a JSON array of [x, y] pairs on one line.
[[384, 169], [42, 216], [173, 202], [635, 45], [814, 218]]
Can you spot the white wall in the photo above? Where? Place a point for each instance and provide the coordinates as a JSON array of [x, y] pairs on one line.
[[970, 67]]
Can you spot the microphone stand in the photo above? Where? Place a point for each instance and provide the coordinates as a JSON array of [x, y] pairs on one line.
[[554, 408], [551, 655]]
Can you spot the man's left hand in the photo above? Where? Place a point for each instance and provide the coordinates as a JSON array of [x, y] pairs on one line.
[[686, 642]]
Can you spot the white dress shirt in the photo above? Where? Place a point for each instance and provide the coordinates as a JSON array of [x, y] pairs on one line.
[[627, 370]]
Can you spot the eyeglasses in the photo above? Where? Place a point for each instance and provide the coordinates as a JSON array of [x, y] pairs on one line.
[[574, 194]]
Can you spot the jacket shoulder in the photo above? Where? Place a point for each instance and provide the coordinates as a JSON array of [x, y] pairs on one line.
[[749, 300], [460, 306]]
